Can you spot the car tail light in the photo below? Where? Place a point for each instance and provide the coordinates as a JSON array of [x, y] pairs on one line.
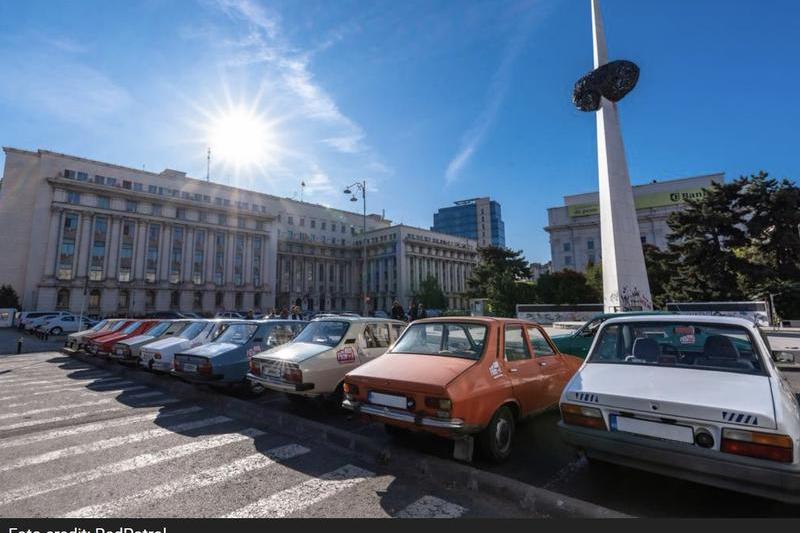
[[292, 374], [761, 445], [350, 390], [443, 404], [255, 367], [579, 415], [157, 355], [204, 367]]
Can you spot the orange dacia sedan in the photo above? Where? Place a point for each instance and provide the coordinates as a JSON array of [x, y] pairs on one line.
[[463, 377]]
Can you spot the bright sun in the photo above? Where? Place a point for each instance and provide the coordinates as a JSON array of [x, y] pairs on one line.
[[241, 138]]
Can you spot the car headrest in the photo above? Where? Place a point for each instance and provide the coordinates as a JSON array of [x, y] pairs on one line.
[[720, 347], [647, 349]]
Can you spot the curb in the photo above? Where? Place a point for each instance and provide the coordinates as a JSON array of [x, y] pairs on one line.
[[456, 475]]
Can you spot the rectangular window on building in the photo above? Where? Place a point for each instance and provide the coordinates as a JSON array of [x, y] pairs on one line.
[[100, 180], [98, 248], [69, 174], [73, 197], [222, 219], [152, 189], [241, 222], [126, 251], [323, 225], [130, 206], [180, 213], [590, 244], [151, 263], [259, 225], [567, 260], [219, 258], [238, 261], [567, 246], [176, 257], [197, 197], [66, 252], [202, 216], [644, 239], [290, 220], [199, 256], [157, 210], [185, 195], [111, 182], [206, 199], [257, 261], [302, 222], [313, 223], [103, 202], [83, 176], [218, 201], [126, 184], [138, 186], [333, 226]]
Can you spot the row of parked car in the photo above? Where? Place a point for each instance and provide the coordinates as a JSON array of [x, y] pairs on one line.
[[694, 397]]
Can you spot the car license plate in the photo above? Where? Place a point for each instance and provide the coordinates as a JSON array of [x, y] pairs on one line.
[[652, 429], [271, 370], [119, 351], [389, 400], [187, 367]]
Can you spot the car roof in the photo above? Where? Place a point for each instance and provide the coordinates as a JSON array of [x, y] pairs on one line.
[[630, 313], [477, 319], [355, 319], [673, 317]]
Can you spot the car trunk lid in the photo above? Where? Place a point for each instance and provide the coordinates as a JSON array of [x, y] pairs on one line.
[[411, 372], [727, 398]]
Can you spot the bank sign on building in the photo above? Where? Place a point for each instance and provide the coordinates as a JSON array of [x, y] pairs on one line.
[[574, 228], [78, 234]]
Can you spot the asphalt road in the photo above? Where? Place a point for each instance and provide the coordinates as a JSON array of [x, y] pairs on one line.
[[76, 441]]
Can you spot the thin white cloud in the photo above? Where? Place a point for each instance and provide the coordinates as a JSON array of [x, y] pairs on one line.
[[498, 87]]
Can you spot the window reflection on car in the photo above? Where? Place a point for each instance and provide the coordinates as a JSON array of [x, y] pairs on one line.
[[237, 333], [325, 332], [446, 339]]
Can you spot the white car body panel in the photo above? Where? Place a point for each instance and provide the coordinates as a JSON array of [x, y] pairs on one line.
[[168, 347]]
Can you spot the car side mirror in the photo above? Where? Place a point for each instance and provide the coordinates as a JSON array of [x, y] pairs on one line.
[[350, 341], [587, 333]]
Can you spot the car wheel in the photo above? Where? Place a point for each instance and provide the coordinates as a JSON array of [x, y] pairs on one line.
[[495, 440], [56, 331]]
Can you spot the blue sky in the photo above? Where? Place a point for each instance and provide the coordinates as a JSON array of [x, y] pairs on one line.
[[429, 101]]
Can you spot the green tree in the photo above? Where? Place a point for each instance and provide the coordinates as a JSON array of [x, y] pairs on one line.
[[660, 267], [566, 287], [500, 276], [594, 277], [702, 241], [8, 297], [430, 294]]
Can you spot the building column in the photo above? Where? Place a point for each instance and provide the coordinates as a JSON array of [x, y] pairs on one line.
[[164, 247], [247, 262], [208, 267], [188, 246], [229, 247], [52, 243], [82, 248]]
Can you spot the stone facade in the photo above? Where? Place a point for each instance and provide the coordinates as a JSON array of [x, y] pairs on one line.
[[106, 239]]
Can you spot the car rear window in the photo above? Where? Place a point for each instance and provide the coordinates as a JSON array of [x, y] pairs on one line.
[[695, 345], [450, 339]]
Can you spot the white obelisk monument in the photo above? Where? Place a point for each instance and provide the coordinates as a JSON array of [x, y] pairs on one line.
[[625, 285]]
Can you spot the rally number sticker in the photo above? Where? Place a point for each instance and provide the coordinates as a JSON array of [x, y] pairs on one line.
[[346, 355], [495, 370]]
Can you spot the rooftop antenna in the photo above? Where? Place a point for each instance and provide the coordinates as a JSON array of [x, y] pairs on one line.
[[208, 164], [302, 188]]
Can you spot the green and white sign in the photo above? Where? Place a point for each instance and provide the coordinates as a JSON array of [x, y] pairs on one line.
[[645, 201]]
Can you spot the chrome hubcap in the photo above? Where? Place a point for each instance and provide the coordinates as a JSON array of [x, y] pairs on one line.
[[502, 434]]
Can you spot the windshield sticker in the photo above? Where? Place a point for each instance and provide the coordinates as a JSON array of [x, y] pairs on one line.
[[684, 330], [346, 355], [687, 339], [495, 370]]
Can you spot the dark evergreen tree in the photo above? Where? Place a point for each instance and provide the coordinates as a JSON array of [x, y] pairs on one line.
[[9, 297]]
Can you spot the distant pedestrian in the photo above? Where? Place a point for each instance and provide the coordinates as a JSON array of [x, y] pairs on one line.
[[397, 311], [421, 312], [284, 313], [412, 311], [296, 315], [249, 315]]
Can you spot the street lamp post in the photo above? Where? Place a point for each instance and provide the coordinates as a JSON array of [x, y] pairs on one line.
[[362, 186]]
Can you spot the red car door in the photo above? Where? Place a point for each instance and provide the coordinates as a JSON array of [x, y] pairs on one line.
[[553, 371], [524, 372]]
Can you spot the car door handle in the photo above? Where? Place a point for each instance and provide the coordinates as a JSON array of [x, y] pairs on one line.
[[542, 363], [513, 369]]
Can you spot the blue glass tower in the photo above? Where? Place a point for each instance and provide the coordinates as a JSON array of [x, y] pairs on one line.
[[477, 218]]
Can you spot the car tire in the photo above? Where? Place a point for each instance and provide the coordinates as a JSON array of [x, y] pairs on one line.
[[56, 331], [495, 441]]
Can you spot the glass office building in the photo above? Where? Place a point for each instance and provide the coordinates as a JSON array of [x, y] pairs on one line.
[[477, 218]]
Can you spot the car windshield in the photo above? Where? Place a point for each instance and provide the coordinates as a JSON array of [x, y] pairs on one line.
[[237, 333], [158, 329], [590, 328], [175, 328], [325, 332], [452, 339], [696, 345], [193, 330], [100, 325], [277, 334], [130, 329]]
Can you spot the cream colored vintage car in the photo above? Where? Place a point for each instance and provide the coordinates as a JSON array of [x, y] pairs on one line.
[[315, 362]]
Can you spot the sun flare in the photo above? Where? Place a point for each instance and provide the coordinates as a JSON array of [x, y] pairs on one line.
[[241, 138]]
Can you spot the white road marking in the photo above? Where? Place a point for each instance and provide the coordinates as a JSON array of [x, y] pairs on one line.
[[81, 389], [81, 393], [56, 408], [112, 442], [15, 386], [97, 426], [15, 378], [431, 507], [134, 463], [55, 388], [205, 478], [30, 423], [305, 494]]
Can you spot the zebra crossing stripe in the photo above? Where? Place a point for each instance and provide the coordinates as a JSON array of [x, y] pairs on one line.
[[205, 478], [134, 463], [55, 388], [76, 388], [28, 384], [82, 393], [112, 442], [56, 408], [304, 495], [29, 376], [29, 423], [97, 426], [431, 507]]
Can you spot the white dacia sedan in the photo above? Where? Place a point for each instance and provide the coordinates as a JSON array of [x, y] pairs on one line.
[[692, 397]]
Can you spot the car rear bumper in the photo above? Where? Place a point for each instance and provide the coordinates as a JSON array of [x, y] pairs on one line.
[[689, 462], [279, 386], [194, 377], [453, 426]]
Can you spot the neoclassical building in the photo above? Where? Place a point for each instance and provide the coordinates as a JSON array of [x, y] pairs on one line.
[[106, 239]]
